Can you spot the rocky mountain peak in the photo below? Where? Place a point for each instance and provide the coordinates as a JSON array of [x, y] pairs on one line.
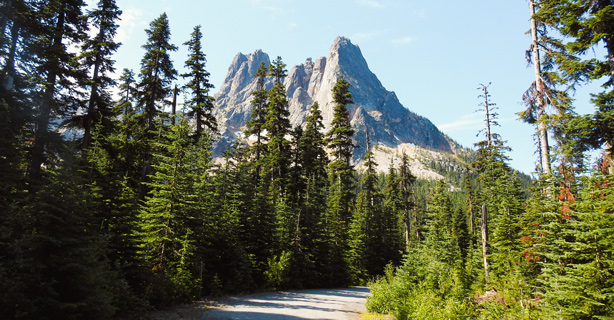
[[375, 109]]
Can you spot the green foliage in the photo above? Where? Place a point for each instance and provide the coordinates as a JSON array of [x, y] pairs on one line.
[[420, 288], [277, 126], [577, 274], [55, 264], [584, 26], [201, 103], [54, 24], [169, 226], [96, 54], [278, 269], [255, 125], [140, 216], [157, 71]]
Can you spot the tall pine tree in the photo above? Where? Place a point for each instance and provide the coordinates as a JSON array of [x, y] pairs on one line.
[[341, 173], [200, 102], [96, 55], [157, 74]]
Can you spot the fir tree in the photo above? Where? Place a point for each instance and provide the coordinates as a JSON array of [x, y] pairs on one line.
[[544, 92], [96, 55], [200, 102], [313, 160], [277, 126], [400, 197], [60, 270], [127, 87], [586, 26], [60, 22], [157, 74], [157, 71], [168, 233], [224, 206], [255, 126], [341, 195], [575, 252]]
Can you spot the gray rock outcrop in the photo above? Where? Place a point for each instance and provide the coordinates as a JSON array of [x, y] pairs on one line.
[[375, 109]]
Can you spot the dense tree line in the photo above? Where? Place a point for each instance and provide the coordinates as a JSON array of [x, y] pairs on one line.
[[113, 204], [501, 255]]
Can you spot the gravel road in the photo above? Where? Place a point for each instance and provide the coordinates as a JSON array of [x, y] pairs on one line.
[[333, 304]]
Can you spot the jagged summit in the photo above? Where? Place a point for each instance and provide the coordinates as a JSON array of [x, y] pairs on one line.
[[375, 108]]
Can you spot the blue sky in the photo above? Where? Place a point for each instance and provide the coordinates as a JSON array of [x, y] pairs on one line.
[[433, 54]]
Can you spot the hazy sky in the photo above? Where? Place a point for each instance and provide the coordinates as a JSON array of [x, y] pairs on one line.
[[432, 54]]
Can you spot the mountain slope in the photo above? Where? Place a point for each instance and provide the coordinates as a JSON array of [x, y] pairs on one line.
[[375, 109]]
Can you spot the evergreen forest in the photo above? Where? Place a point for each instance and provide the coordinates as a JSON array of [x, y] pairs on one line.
[[112, 203]]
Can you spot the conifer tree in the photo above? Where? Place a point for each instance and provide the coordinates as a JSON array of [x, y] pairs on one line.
[[341, 195], [16, 100], [363, 226], [255, 213], [586, 25], [157, 74], [200, 102], [113, 183], [61, 22], [400, 197], [539, 102], [225, 247], [18, 29], [572, 242], [544, 92], [374, 233], [499, 192], [96, 55], [440, 227], [127, 87], [168, 232], [277, 126], [255, 126], [60, 270], [313, 161]]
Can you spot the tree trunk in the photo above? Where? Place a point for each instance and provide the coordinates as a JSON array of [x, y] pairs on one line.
[[487, 110], [91, 106], [542, 128], [174, 105], [485, 242], [9, 68], [406, 208], [471, 222], [41, 136], [609, 149]]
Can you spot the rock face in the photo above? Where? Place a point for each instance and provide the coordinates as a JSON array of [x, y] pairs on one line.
[[375, 109]]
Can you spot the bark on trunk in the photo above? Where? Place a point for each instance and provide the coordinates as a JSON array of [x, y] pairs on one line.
[[41, 136], [174, 105], [471, 222], [542, 128], [10, 62], [486, 109], [485, 242], [91, 106]]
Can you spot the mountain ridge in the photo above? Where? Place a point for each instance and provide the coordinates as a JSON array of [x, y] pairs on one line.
[[375, 108]]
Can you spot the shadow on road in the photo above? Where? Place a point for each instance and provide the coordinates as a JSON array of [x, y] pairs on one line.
[[293, 305]]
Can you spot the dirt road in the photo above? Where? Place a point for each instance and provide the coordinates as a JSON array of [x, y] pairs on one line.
[[333, 304]]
